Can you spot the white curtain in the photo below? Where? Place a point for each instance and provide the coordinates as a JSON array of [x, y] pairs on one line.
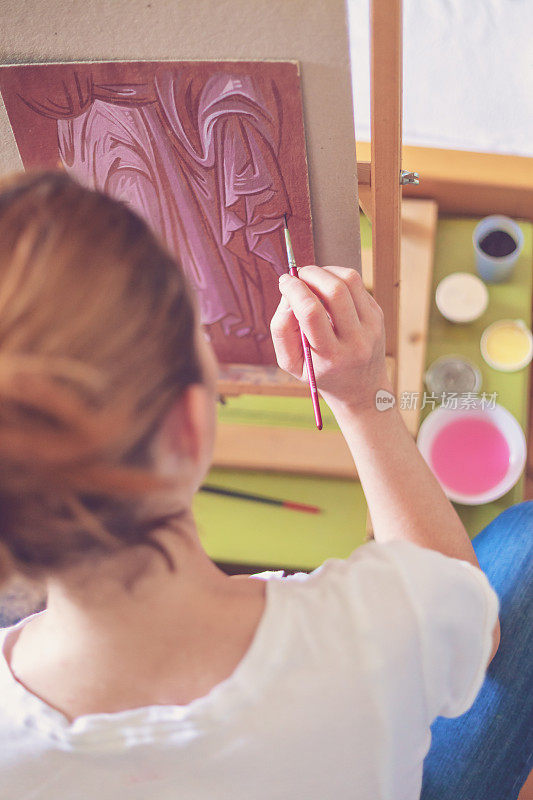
[[468, 74]]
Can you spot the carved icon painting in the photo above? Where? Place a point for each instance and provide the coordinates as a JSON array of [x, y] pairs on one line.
[[211, 154]]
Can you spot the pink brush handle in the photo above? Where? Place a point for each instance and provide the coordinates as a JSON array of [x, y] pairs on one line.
[[310, 369]]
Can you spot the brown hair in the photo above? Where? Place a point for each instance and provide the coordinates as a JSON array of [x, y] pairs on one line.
[[97, 338]]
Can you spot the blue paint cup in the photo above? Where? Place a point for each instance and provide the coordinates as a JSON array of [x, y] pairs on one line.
[[498, 242]]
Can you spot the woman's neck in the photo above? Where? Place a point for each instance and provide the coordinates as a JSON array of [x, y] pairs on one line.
[[136, 584], [174, 635]]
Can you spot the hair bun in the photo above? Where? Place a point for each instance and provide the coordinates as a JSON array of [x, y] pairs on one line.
[[57, 443]]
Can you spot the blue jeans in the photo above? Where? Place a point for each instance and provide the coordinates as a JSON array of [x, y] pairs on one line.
[[486, 754]]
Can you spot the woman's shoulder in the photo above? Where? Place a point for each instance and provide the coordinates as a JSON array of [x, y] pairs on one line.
[[380, 581], [395, 557], [369, 557]]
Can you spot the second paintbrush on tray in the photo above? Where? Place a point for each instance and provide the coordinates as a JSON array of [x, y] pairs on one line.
[[258, 498]]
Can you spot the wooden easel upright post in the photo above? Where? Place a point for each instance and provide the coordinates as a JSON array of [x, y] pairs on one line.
[[386, 144], [382, 204], [380, 181]]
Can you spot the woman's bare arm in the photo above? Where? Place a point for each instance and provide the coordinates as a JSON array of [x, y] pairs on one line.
[[344, 326]]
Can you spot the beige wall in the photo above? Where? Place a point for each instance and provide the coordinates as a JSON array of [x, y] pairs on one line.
[[311, 31]]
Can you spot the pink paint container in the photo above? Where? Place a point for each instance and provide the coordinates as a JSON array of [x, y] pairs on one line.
[[477, 454]]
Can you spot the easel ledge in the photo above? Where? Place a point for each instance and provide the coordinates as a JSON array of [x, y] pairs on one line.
[[237, 379]]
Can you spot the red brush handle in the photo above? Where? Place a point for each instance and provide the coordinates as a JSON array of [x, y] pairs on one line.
[[301, 507]]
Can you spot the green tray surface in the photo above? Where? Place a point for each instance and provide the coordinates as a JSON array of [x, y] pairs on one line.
[[240, 531]]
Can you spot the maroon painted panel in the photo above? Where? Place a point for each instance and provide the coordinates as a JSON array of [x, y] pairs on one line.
[[212, 154]]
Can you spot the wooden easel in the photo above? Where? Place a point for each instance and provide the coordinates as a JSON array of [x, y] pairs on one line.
[[380, 183], [380, 179], [403, 233]]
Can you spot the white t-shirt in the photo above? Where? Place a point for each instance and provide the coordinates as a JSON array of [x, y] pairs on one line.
[[334, 698]]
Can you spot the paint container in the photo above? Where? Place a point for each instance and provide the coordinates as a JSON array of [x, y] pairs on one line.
[[477, 454], [461, 297], [507, 345], [498, 242], [452, 374]]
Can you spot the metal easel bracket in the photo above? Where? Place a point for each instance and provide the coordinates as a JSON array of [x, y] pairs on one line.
[[406, 176]]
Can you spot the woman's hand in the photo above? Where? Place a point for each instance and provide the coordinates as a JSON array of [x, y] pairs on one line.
[[344, 327]]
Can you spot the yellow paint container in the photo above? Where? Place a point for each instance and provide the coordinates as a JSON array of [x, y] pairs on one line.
[[507, 345]]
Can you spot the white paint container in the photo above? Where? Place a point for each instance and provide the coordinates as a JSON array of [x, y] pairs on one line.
[[461, 297]]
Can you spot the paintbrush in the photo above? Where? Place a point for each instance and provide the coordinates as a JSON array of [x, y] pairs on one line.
[[305, 344], [260, 498]]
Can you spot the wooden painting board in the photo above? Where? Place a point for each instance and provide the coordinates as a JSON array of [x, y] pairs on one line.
[[210, 153]]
